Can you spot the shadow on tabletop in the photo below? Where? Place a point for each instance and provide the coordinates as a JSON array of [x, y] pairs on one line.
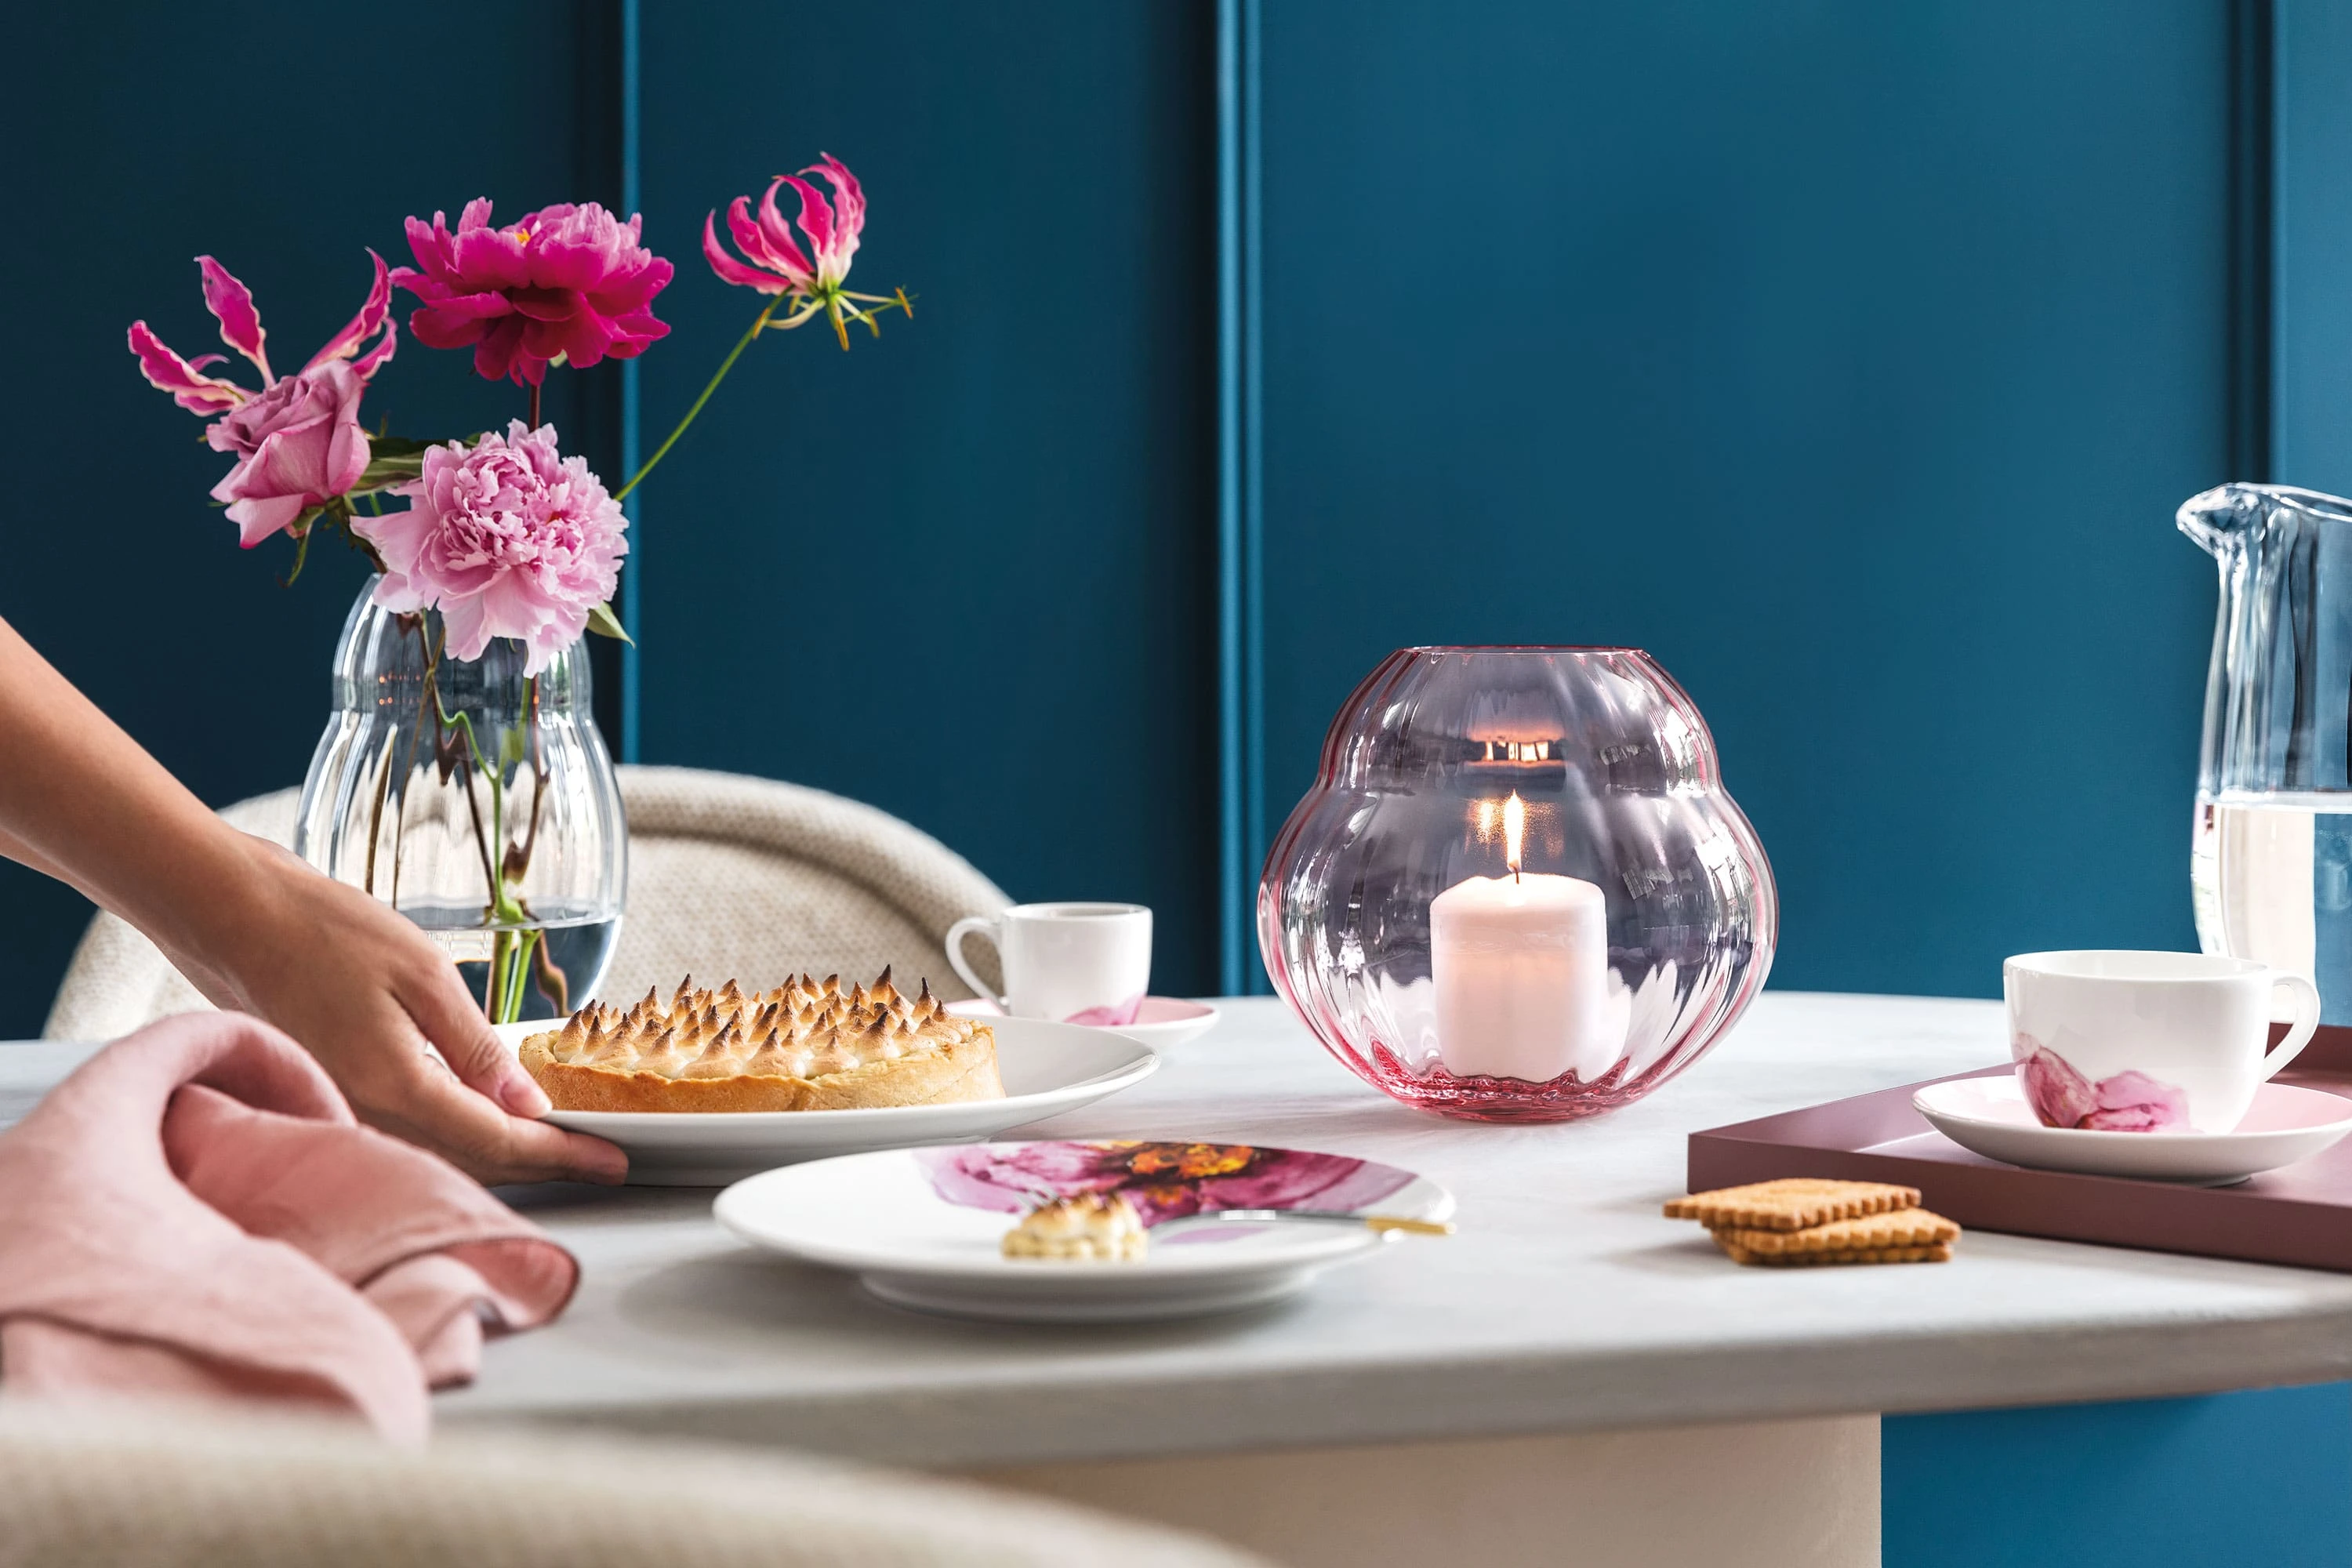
[[747, 1296]]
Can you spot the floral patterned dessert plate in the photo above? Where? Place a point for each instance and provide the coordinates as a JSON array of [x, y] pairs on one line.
[[1047, 1068], [1160, 1023], [1990, 1116], [923, 1227]]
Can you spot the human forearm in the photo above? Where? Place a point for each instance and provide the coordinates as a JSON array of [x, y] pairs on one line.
[[82, 801]]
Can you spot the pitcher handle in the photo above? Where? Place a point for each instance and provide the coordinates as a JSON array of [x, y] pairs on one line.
[[2306, 1022]]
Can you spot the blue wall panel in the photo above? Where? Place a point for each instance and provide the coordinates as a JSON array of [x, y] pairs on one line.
[[282, 138], [2227, 1479], [1849, 357], [962, 571]]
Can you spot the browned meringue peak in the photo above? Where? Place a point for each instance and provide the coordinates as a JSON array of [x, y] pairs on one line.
[[804, 1027]]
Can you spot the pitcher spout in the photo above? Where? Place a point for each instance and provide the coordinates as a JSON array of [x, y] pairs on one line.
[[2221, 516]]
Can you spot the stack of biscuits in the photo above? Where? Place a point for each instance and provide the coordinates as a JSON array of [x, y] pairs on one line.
[[1799, 1221]]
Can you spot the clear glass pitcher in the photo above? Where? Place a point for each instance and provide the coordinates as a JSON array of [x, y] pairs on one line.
[[2271, 850]]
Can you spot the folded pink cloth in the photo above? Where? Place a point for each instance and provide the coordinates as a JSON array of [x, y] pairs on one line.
[[195, 1212]]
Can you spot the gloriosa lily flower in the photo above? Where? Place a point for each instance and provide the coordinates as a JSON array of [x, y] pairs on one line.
[[298, 440], [812, 276]]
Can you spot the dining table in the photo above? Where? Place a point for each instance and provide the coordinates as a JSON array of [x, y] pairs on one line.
[[1571, 1369]]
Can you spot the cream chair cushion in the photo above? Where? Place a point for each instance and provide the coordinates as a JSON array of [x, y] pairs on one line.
[[728, 877], [163, 1488]]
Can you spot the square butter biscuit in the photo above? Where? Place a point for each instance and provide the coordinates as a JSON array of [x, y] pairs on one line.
[[1792, 1203]]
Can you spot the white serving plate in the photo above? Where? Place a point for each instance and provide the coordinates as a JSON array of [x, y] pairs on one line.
[[1047, 1068], [1160, 1023], [1990, 1116], [920, 1231]]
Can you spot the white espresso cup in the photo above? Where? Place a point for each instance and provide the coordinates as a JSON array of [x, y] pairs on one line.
[[2147, 1042], [1075, 963]]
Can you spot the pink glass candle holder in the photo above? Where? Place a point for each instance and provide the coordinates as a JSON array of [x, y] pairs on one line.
[[1517, 891]]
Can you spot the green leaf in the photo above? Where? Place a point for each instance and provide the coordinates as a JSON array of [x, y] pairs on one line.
[[606, 624], [397, 447]]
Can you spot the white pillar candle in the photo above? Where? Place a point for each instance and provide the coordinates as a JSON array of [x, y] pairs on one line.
[[1520, 967]]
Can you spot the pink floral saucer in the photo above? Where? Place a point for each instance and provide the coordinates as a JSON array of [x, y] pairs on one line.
[[921, 1227], [1991, 1116], [1160, 1022]]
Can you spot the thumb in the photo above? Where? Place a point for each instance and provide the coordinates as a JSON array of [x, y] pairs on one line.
[[445, 1010]]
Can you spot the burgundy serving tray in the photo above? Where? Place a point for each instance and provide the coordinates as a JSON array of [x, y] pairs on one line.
[[2299, 1213]]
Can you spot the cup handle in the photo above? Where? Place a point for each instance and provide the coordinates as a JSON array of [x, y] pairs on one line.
[[971, 924], [2306, 1022]]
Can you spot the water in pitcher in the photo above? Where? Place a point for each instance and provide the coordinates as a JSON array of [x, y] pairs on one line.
[[2270, 876]]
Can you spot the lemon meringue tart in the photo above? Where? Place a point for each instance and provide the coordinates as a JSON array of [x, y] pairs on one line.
[[808, 1045]]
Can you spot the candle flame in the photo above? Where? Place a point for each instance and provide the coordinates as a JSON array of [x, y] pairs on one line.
[[1514, 828]]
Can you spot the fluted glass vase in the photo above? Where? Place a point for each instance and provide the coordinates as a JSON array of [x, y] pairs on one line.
[[1518, 891], [476, 800]]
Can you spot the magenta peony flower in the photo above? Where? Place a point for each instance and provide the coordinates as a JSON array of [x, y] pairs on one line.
[[297, 441], [507, 539], [567, 282]]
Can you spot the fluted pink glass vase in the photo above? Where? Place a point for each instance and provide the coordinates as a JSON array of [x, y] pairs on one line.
[[1517, 891]]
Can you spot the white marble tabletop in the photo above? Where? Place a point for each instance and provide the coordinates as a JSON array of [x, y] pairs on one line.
[[1565, 1303]]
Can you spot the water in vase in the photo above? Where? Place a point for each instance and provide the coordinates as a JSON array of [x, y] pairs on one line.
[[547, 967], [2270, 875]]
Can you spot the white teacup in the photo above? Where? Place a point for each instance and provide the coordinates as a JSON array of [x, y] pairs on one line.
[[2147, 1042], [1075, 963]]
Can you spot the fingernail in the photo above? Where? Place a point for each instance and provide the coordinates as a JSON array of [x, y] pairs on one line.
[[609, 1166], [521, 1094]]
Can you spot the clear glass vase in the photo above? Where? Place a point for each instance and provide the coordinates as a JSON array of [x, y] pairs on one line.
[[476, 800], [1517, 891]]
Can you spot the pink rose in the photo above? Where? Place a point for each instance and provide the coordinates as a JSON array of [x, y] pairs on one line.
[[297, 441], [568, 282], [507, 539], [298, 444]]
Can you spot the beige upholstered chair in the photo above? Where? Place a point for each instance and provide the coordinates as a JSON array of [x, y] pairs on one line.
[[93, 1488], [729, 877]]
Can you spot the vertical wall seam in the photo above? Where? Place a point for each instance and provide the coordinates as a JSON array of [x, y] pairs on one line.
[[633, 597], [1240, 629], [2253, 251]]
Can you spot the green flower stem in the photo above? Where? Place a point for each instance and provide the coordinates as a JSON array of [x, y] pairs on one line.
[[724, 366]]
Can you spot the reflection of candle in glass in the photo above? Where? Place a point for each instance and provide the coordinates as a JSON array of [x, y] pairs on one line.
[[1520, 965]]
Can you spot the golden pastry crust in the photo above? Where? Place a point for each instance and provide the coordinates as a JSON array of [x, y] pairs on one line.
[[808, 1045]]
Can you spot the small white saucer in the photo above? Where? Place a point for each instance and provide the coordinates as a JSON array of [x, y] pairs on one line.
[[1162, 1022], [921, 1227], [1989, 1116]]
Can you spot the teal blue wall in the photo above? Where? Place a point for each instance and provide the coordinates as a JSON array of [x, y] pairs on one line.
[[1851, 357]]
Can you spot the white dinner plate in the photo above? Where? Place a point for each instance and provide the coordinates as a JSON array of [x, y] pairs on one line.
[[921, 1227], [1047, 1068], [1160, 1023], [1990, 1116]]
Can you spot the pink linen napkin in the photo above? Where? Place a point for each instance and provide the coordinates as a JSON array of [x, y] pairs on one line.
[[195, 1212]]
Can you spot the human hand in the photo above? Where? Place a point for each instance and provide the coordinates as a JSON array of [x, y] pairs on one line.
[[364, 991]]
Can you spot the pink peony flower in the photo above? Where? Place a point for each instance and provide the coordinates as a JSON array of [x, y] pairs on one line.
[[297, 441], [507, 539], [567, 282]]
